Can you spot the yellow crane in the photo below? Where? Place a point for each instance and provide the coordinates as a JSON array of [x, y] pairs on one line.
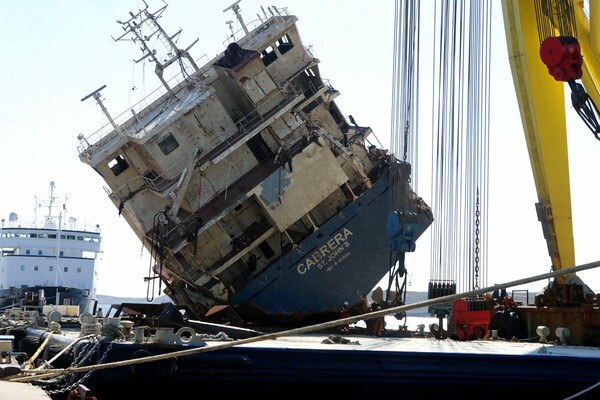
[[553, 43]]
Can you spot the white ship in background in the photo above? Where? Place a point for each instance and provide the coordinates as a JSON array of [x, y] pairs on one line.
[[49, 263]]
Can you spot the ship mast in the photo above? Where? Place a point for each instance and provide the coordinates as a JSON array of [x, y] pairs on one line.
[[134, 27], [96, 95], [236, 10], [52, 221], [49, 219]]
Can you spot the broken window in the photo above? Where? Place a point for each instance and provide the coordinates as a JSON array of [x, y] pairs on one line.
[[118, 165], [268, 55], [284, 44]]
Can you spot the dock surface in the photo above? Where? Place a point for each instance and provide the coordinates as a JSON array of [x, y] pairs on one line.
[[21, 391]]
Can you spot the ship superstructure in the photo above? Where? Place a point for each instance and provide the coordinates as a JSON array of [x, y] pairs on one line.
[[50, 262], [248, 185]]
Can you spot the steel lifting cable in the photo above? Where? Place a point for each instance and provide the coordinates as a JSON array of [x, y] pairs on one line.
[[460, 141], [473, 186], [556, 30], [469, 103], [395, 117], [441, 145], [555, 14], [404, 93], [481, 112], [403, 125], [482, 124]]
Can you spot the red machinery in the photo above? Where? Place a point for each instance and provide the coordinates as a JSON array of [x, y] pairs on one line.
[[471, 317]]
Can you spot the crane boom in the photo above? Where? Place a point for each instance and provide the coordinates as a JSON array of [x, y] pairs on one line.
[[541, 102]]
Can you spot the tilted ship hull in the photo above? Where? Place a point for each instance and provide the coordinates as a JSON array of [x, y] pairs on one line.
[[249, 187]]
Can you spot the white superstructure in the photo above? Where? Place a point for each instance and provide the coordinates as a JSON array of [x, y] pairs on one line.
[[53, 262]]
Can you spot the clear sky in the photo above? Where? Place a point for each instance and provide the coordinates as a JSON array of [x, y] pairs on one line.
[[56, 52]]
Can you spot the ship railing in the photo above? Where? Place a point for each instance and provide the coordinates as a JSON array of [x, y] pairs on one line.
[[206, 71], [161, 183], [256, 26], [212, 207], [244, 125], [127, 117], [65, 226]]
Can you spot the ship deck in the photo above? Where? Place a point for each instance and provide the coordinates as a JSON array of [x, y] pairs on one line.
[[360, 364], [325, 361]]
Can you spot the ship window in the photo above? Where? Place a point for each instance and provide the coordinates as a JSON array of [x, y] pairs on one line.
[[22, 268], [62, 237], [27, 251], [79, 237], [284, 44], [66, 269], [168, 144], [61, 253], [266, 249], [33, 235], [39, 252], [42, 235], [35, 268], [268, 56], [51, 268], [78, 270], [118, 165], [52, 236]]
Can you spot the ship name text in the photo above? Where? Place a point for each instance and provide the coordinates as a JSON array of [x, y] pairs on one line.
[[329, 255]]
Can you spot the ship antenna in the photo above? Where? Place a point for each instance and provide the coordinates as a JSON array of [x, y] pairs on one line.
[[96, 95], [36, 205], [230, 23], [51, 199], [49, 219], [134, 26], [236, 10]]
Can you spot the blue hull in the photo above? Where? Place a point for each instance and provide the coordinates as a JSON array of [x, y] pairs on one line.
[[243, 371], [341, 261]]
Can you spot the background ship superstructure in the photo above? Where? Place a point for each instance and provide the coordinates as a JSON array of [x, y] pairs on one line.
[[50, 262], [248, 185]]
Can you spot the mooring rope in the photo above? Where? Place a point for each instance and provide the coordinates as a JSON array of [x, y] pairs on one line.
[[301, 330]]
